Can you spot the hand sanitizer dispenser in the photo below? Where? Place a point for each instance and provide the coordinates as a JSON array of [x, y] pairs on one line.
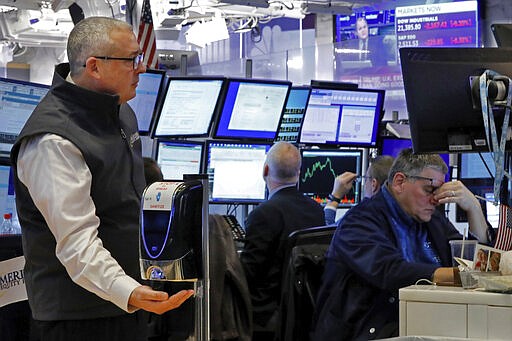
[[171, 231]]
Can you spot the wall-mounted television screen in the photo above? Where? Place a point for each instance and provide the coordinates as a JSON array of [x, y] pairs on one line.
[[444, 24]]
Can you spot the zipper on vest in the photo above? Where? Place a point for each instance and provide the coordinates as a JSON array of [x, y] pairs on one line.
[[123, 135]]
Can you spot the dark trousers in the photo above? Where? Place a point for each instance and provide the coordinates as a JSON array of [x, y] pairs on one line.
[[127, 327]]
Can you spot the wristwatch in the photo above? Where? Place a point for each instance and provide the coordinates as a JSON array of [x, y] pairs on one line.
[[333, 198]]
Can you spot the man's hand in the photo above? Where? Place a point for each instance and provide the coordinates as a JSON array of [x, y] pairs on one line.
[[158, 302], [343, 184], [456, 192]]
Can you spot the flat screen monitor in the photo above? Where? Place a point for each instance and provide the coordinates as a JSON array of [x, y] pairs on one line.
[[235, 171], [502, 34], [321, 166], [476, 171], [437, 86], [147, 98], [342, 117], [440, 24], [177, 158], [289, 125], [333, 85], [392, 146], [252, 109], [17, 101], [377, 21], [7, 198], [189, 107]]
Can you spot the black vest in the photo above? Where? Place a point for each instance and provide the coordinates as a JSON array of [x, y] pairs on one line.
[[107, 136]]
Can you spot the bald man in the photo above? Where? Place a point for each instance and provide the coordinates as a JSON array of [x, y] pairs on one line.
[[268, 227]]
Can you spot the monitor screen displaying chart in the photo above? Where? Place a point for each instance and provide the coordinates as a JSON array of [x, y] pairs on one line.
[[320, 168]]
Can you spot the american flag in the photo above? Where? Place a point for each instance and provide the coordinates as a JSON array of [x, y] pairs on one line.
[[504, 238], [146, 36]]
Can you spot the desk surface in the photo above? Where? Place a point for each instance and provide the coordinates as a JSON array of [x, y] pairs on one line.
[[442, 294]]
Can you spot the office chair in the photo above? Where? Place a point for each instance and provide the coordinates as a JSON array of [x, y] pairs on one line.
[[303, 268]]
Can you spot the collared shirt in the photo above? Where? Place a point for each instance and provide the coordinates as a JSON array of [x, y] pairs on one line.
[[412, 236], [64, 200]]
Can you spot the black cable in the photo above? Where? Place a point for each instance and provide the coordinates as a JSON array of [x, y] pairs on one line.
[[256, 34], [284, 4], [485, 164], [111, 8]]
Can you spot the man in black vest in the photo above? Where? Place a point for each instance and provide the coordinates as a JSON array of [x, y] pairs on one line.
[[79, 181]]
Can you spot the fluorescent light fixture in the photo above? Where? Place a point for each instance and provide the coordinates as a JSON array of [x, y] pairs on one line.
[[173, 20], [251, 3], [200, 33], [327, 8], [164, 33], [295, 63]]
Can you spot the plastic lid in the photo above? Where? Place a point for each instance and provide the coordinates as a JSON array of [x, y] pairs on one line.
[[7, 216]]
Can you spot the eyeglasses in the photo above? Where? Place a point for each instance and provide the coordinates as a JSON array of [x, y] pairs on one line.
[[433, 182], [137, 60]]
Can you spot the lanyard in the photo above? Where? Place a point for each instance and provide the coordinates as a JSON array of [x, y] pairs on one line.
[[497, 150]]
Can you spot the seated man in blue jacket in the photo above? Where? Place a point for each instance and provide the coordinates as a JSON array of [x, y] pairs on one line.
[[390, 242]]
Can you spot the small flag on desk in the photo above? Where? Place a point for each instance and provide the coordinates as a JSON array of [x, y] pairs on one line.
[[146, 36], [504, 237]]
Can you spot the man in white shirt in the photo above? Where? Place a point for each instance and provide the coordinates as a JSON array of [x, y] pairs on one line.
[[79, 181]]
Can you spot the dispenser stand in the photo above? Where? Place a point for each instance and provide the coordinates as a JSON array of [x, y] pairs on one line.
[[202, 286]]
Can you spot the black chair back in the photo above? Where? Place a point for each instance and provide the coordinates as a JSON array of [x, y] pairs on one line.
[[303, 268]]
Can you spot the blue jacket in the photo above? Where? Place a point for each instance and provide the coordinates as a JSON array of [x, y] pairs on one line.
[[358, 299]]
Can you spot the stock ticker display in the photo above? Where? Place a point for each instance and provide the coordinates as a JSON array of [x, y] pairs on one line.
[[436, 25]]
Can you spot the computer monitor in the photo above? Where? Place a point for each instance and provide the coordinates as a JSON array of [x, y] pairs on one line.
[[321, 166], [289, 125], [7, 199], [235, 171], [17, 101], [342, 117], [388, 145], [392, 146], [502, 34], [189, 107], [177, 158], [333, 85], [252, 109], [437, 83], [452, 23], [476, 171], [147, 98]]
